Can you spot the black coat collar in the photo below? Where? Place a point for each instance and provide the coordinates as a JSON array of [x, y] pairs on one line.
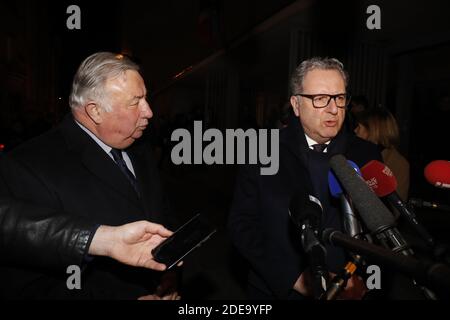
[[96, 160]]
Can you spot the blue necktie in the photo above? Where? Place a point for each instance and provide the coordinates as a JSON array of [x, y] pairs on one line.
[[118, 158]]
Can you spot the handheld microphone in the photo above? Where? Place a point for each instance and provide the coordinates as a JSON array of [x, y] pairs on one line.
[[372, 211], [352, 227], [438, 173], [351, 224], [374, 214], [305, 212], [382, 181]]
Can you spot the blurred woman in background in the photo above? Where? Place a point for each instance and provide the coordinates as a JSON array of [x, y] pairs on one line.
[[379, 126]]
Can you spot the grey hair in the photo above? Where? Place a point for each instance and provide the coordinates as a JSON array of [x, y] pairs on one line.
[[89, 81], [299, 74]]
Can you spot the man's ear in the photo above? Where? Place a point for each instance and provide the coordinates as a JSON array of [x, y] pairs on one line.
[[95, 112], [295, 105]]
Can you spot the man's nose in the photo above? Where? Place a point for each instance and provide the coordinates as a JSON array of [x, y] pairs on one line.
[[146, 111], [332, 107]]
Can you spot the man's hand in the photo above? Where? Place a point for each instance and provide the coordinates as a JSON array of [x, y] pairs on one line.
[[168, 284], [303, 285], [355, 289], [167, 290], [130, 244]]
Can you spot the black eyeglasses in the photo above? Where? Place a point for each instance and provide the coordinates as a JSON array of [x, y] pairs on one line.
[[322, 100]]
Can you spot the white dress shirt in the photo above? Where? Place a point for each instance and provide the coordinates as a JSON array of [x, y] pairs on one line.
[[311, 142]]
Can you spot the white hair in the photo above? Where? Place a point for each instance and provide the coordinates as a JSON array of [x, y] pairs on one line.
[[89, 81]]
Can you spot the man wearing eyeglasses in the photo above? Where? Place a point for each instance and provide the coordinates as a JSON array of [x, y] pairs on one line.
[[259, 221]]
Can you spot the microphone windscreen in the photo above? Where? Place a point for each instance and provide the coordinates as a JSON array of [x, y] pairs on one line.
[[373, 212], [438, 173], [379, 178], [333, 183]]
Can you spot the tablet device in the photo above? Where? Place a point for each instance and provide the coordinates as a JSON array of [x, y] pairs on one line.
[[188, 237]]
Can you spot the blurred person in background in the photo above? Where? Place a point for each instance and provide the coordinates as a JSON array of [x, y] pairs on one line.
[[379, 126]]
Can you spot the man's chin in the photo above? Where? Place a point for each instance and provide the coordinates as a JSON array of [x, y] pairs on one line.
[[138, 133], [330, 134]]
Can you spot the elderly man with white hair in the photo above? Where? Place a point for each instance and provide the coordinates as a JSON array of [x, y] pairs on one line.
[[91, 166]]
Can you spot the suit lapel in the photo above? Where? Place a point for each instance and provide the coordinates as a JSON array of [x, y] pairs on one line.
[[294, 140], [101, 165], [148, 180], [96, 160]]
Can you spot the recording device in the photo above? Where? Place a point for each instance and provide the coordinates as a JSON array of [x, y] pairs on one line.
[[352, 228], [374, 214], [383, 182], [351, 224], [377, 218], [183, 241], [306, 211], [438, 173]]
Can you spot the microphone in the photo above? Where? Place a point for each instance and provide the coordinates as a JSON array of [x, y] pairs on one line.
[[305, 212], [438, 173], [419, 203], [353, 228], [377, 218], [435, 274], [382, 181], [351, 224], [372, 211]]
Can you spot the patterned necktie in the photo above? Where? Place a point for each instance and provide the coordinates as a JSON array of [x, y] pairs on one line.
[[118, 158], [320, 147]]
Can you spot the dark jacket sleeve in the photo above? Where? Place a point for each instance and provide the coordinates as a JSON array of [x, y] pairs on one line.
[[36, 236], [258, 238], [39, 240]]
